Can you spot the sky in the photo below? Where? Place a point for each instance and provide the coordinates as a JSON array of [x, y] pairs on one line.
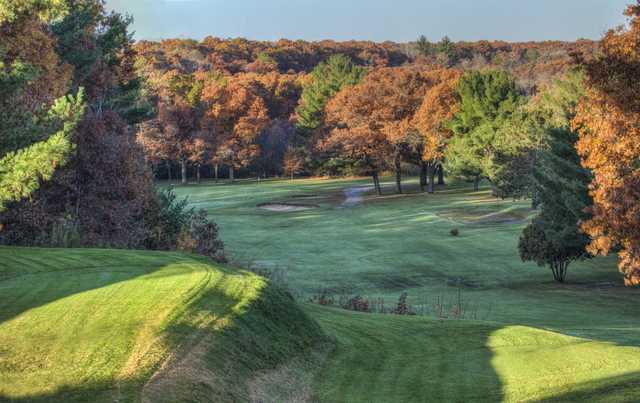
[[376, 20]]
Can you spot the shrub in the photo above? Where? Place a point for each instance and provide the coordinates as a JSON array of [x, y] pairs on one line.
[[324, 298], [357, 303], [201, 237], [168, 219], [403, 307], [64, 233]]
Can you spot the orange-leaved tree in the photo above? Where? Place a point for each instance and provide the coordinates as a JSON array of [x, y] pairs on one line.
[[371, 121], [608, 120], [237, 113], [439, 105]]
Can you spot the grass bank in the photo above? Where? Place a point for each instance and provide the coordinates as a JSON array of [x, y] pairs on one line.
[[99, 325]]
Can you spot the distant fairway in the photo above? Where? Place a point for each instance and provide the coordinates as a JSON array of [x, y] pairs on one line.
[[397, 243]]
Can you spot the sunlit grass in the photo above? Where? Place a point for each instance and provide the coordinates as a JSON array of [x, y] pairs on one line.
[[92, 325], [382, 358]]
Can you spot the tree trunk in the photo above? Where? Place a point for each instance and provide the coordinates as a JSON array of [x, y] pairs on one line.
[[169, 170], [183, 171], [376, 183], [423, 176], [441, 175], [431, 173], [215, 171], [198, 173], [495, 192], [559, 270], [476, 183], [231, 177], [398, 167]]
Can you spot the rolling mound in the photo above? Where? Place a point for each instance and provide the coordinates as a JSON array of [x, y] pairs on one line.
[[102, 325], [391, 358]]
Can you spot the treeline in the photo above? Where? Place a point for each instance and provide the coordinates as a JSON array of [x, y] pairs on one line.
[[284, 76], [530, 62]]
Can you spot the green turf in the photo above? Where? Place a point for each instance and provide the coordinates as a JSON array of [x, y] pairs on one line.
[[387, 358], [393, 244], [98, 325], [539, 340], [94, 325]]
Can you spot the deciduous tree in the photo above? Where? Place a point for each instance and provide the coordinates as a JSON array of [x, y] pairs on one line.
[[608, 120], [237, 113], [294, 161], [377, 113], [438, 106]]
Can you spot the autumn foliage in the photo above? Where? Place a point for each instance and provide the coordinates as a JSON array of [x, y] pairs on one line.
[[371, 121], [608, 120], [439, 105]]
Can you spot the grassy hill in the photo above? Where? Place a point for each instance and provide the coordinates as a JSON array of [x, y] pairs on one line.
[[387, 358], [98, 325]]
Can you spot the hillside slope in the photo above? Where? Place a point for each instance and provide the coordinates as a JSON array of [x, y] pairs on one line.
[[389, 358], [99, 325]]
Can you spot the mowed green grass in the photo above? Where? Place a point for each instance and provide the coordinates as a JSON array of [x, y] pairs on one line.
[[394, 244], [387, 358], [98, 325], [537, 340]]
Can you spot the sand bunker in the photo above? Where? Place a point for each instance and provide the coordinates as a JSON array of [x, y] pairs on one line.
[[286, 207]]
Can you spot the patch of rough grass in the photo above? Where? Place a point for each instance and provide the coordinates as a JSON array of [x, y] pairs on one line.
[[291, 382], [487, 215]]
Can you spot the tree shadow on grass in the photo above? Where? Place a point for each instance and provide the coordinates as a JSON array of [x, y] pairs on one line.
[[86, 393], [215, 362], [383, 358]]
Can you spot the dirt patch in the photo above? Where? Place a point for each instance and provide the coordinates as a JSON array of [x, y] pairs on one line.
[[289, 383], [286, 207]]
